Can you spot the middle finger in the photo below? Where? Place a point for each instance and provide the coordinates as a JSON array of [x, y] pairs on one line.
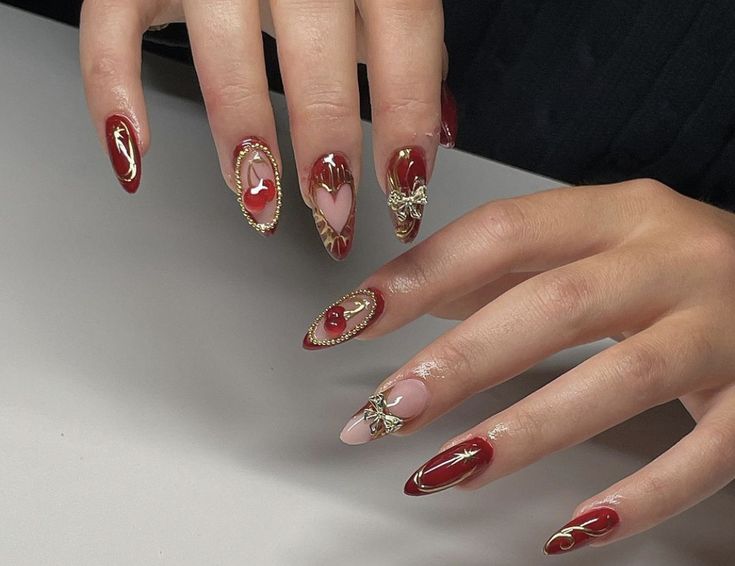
[[316, 49]]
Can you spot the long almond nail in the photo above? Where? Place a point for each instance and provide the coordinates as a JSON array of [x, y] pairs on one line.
[[386, 412], [258, 184], [344, 319], [332, 195], [451, 467], [581, 530], [122, 146], [406, 185], [448, 132]]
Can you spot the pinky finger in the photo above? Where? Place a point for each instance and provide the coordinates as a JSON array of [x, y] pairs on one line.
[[110, 52], [699, 465]]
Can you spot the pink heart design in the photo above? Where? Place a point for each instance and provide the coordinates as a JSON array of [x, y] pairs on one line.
[[335, 206]]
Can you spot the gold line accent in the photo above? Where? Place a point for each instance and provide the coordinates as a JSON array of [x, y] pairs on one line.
[[458, 457], [253, 146]]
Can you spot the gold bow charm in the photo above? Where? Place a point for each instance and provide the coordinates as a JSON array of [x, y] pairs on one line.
[[408, 205], [377, 416]]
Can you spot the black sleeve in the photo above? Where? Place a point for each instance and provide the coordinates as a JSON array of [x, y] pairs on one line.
[[585, 91]]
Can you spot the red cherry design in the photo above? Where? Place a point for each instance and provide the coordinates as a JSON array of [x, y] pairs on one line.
[[255, 198], [335, 322]]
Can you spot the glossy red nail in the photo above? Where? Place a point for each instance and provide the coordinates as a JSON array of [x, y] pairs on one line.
[[448, 133], [344, 319], [451, 467], [122, 147], [593, 524], [332, 194], [258, 183], [406, 184]]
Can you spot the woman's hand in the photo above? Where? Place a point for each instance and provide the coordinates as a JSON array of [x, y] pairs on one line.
[[317, 45], [532, 276]]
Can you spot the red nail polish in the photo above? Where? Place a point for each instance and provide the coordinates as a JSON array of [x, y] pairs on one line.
[[451, 467], [448, 133], [258, 183], [595, 523], [332, 194], [344, 319], [406, 184], [122, 147]]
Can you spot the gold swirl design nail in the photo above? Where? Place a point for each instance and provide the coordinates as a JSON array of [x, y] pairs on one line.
[[596, 523]]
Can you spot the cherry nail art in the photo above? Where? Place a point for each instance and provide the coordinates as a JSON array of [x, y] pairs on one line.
[[332, 194], [386, 412], [451, 467], [122, 146], [593, 524], [258, 184], [406, 183], [344, 319], [448, 132]]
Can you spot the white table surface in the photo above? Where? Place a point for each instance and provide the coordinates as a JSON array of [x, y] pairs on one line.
[[156, 406]]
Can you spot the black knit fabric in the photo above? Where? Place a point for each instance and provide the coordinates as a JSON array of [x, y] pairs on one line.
[[586, 91], [598, 91]]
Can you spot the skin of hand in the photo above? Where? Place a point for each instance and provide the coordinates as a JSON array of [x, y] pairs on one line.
[[531, 276], [319, 45]]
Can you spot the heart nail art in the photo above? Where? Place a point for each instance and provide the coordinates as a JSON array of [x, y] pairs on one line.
[[332, 194], [258, 185]]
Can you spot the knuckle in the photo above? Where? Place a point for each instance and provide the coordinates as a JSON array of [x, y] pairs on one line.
[[643, 369], [323, 107], [233, 97], [718, 245], [407, 105], [503, 221], [561, 294], [530, 424], [719, 442], [103, 69], [457, 358], [653, 485], [651, 188]]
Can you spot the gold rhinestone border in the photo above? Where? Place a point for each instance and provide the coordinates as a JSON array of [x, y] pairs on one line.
[[352, 333], [260, 227]]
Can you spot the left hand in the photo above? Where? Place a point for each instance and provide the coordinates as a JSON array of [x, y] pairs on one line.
[[534, 275]]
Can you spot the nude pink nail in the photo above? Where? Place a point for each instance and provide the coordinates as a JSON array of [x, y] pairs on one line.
[[386, 412]]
